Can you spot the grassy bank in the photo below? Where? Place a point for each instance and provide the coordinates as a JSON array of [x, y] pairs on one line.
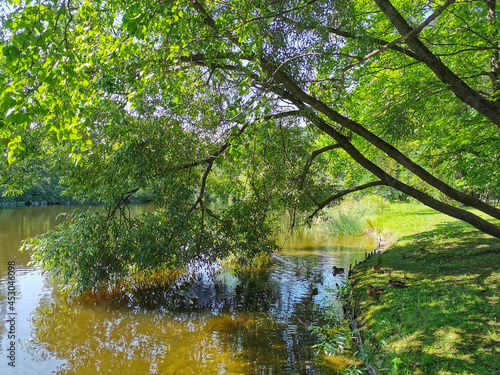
[[447, 321]]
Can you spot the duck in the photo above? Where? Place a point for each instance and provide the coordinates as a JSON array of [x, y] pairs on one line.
[[396, 284], [374, 291], [337, 270]]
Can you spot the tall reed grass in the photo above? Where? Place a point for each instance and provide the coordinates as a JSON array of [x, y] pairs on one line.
[[350, 217]]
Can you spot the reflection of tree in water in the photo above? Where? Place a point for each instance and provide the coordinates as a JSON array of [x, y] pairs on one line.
[[253, 329]]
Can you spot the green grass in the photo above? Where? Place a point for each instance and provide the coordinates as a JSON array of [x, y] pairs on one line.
[[448, 320]]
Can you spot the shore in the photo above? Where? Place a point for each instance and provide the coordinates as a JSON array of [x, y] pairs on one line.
[[41, 203], [60, 203], [444, 318]]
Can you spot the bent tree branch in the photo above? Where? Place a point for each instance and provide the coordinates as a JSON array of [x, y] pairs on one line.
[[309, 161], [302, 177], [343, 193]]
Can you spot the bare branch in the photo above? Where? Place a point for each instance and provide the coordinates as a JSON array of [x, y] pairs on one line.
[[280, 14], [202, 188], [431, 18], [120, 203], [200, 57], [309, 161], [382, 42], [303, 176], [343, 193]]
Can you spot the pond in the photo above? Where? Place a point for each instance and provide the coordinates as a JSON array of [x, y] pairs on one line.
[[223, 323]]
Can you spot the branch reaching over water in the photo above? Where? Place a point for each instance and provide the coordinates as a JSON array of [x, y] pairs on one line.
[[308, 164], [343, 193]]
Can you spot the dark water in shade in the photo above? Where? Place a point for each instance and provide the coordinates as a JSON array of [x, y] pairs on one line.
[[255, 329]]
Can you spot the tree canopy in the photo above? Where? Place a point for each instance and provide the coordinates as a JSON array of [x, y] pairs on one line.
[[279, 104]]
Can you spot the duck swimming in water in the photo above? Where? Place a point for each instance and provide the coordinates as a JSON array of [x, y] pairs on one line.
[[337, 270]]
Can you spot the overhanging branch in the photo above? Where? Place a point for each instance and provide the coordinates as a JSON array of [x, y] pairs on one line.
[[343, 193], [309, 161]]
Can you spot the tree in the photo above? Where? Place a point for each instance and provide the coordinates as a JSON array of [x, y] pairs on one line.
[[291, 104]]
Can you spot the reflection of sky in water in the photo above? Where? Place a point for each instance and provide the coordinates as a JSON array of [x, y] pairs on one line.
[[32, 291], [255, 330]]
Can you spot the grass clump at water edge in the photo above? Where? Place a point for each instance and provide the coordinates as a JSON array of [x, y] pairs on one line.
[[351, 216]]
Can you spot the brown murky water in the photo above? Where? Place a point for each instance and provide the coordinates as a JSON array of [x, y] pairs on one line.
[[255, 329]]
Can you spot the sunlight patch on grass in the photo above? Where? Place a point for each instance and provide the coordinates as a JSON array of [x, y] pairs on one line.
[[446, 343], [493, 300], [407, 343], [339, 363]]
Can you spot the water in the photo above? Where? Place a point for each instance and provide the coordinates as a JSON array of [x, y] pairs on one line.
[[258, 327]]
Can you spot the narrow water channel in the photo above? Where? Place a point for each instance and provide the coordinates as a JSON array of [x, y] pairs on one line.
[[242, 322]]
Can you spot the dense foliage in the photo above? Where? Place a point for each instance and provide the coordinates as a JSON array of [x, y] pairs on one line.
[[279, 104]]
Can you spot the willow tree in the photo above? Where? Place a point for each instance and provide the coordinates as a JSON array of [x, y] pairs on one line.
[[286, 103]]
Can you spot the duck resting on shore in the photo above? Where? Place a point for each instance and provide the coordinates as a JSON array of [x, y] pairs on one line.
[[374, 291], [396, 284], [193, 301]]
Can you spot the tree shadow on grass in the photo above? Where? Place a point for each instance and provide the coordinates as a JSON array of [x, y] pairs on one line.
[[446, 321]]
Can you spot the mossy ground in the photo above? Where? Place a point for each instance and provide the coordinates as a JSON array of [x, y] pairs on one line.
[[448, 320]]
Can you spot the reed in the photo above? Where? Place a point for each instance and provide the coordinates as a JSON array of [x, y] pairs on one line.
[[350, 217]]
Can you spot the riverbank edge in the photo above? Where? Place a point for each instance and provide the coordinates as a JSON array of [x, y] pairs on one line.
[[448, 264], [60, 203], [38, 203], [384, 242]]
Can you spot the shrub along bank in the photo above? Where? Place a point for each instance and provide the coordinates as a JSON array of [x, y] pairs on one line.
[[447, 319]]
